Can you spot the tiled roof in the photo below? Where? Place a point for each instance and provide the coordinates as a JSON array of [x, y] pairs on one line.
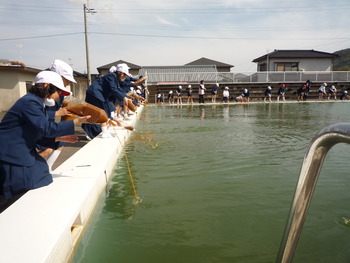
[[296, 54], [206, 61], [108, 66], [179, 73]]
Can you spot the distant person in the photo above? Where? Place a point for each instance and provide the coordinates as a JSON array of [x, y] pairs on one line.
[[201, 92], [179, 95], [300, 93], [332, 91], [160, 100], [344, 96], [226, 95], [281, 92], [268, 93], [246, 94], [214, 92], [307, 89], [322, 91], [189, 94], [171, 97]]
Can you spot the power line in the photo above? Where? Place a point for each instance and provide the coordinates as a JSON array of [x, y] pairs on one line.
[[45, 36], [174, 36]]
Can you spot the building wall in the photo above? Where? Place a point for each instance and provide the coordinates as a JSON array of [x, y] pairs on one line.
[[13, 85], [312, 64]]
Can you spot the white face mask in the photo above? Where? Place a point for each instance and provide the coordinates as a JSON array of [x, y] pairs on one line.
[[49, 102]]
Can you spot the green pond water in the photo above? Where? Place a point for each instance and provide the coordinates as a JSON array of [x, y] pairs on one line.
[[217, 182]]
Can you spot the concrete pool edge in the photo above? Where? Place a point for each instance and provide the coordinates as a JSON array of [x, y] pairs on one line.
[[45, 223]]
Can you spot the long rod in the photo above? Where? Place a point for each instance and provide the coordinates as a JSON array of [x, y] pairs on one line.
[[87, 48]]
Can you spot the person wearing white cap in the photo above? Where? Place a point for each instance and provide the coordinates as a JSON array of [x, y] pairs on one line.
[[189, 94], [100, 94], [126, 84], [332, 91], [171, 97], [322, 91], [25, 125], [246, 94], [66, 73], [345, 95], [226, 95], [268, 93], [179, 95]]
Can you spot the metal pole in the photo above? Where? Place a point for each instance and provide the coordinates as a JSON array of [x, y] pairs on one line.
[[87, 49], [310, 171]]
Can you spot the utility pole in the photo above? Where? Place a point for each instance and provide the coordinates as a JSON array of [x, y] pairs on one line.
[[91, 11]]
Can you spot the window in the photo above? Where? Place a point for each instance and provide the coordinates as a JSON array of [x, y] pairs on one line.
[[263, 67], [287, 66]]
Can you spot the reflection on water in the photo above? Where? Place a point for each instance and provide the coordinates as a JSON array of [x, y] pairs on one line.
[[218, 186]]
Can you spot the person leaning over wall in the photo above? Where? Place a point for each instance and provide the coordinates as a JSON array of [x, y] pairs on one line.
[[23, 127]]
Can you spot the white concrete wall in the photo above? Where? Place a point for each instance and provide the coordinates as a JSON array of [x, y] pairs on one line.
[[10, 89], [45, 224], [310, 64]]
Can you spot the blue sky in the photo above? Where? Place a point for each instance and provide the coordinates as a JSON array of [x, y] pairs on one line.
[[168, 32]]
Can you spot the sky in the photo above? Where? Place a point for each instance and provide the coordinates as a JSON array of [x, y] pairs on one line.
[[168, 32]]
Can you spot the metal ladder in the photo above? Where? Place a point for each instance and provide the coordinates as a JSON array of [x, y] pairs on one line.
[[310, 170]]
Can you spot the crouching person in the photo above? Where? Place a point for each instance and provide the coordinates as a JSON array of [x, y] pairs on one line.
[[26, 124]]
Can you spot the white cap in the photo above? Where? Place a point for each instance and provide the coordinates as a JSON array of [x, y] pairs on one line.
[[123, 68], [245, 90], [269, 87], [325, 84], [345, 91], [52, 78], [180, 87], [217, 84], [63, 69], [189, 86], [226, 87], [113, 69]]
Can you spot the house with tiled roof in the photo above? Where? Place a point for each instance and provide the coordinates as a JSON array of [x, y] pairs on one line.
[[220, 66], [134, 69], [295, 60], [200, 69], [16, 79]]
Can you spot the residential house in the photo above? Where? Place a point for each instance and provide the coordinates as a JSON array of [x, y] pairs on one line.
[[134, 69], [295, 60], [16, 79], [220, 66]]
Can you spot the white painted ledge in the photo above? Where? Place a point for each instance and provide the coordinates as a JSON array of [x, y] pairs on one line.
[[44, 224]]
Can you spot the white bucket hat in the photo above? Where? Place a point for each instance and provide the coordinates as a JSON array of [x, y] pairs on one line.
[[52, 78], [123, 68], [63, 69], [113, 69]]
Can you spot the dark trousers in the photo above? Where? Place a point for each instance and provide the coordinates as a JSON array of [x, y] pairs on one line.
[[201, 99]]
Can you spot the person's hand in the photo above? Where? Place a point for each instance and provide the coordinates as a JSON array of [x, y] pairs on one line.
[[68, 138], [83, 119], [62, 112]]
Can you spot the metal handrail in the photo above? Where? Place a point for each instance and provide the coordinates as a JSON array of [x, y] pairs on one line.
[[313, 161]]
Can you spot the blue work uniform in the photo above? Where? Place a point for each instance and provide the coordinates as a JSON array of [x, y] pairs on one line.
[[24, 126], [99, 94]]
